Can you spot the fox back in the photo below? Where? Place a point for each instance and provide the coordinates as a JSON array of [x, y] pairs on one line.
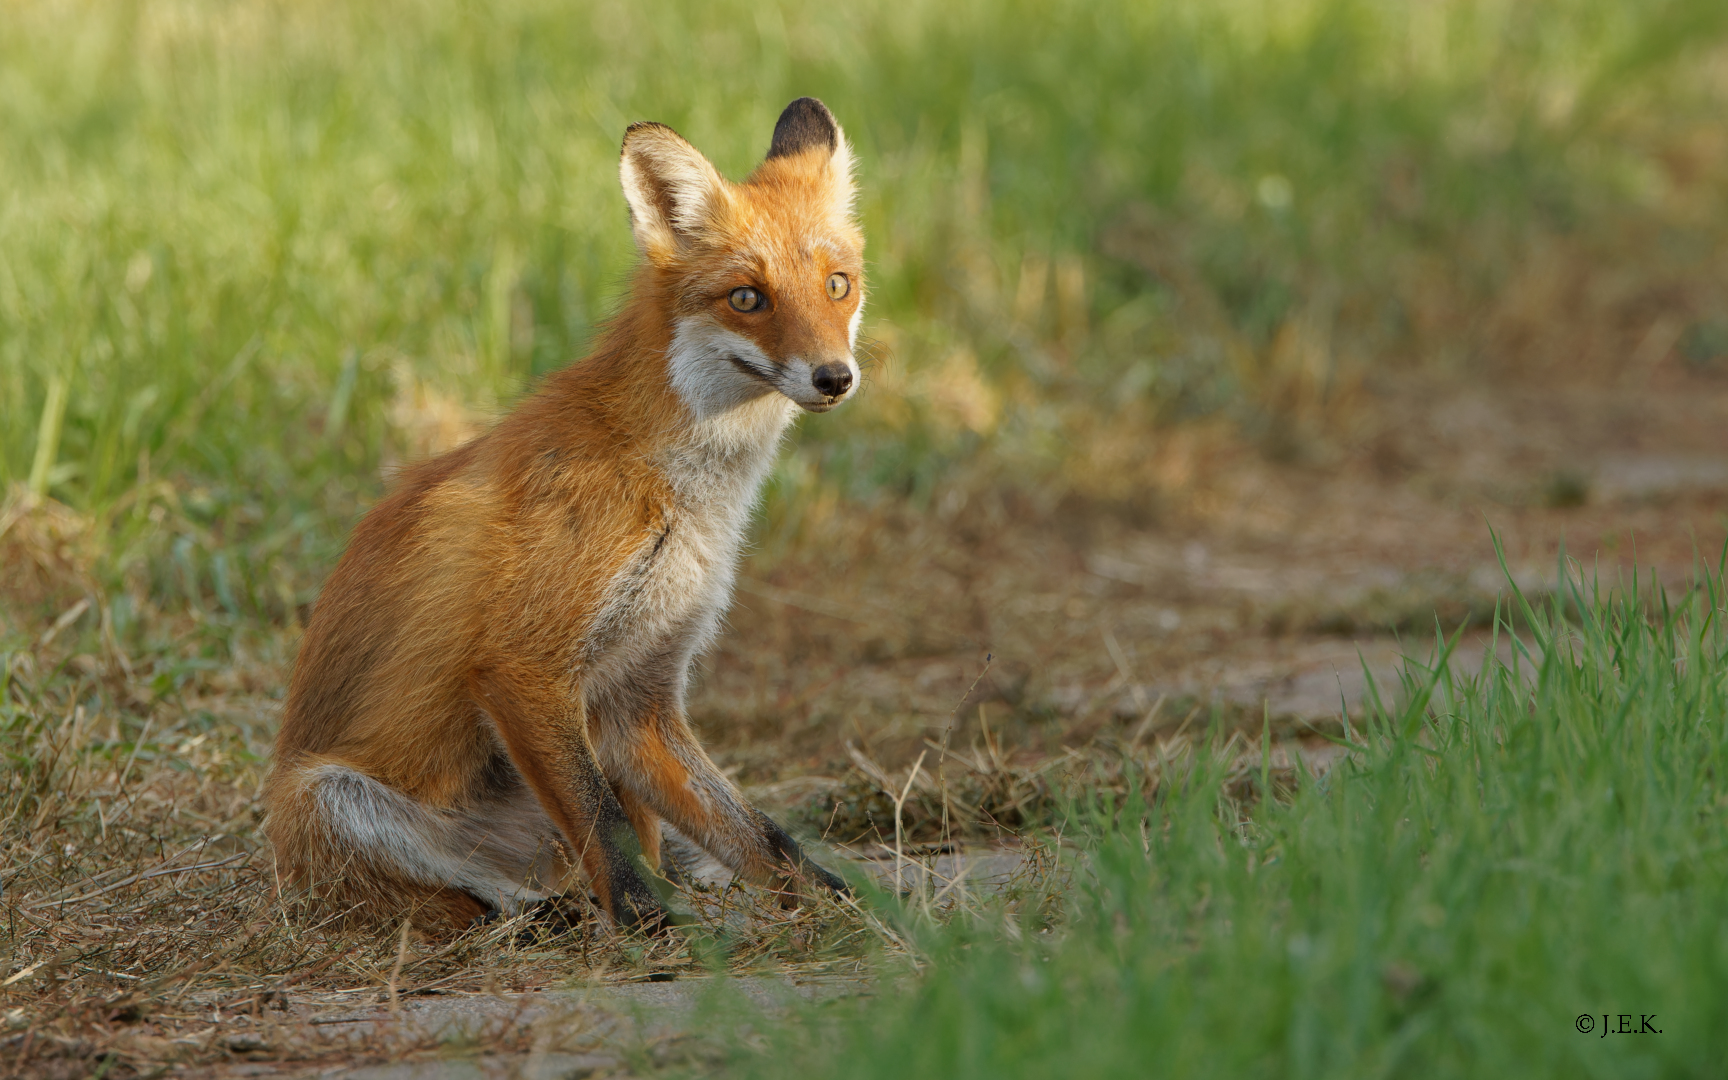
[[489, 701]]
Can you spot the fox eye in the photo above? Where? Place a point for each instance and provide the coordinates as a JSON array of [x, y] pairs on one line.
[[838, 286], [745, 299]]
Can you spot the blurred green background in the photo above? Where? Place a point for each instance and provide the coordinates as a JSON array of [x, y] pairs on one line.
[[252, 253]]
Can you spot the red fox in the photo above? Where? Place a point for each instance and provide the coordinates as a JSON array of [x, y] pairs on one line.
[[489, 701]]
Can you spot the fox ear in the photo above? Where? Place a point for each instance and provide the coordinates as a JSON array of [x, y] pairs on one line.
[[807, 127], [672, 190]]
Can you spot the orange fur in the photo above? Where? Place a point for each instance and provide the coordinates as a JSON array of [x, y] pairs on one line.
[[492, 680]]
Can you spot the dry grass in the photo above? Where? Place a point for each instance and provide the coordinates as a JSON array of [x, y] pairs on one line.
[[142, 920], [142, 923], [950, 795]]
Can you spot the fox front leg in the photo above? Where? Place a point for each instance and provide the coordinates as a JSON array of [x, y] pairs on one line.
[[547, 739], [746, 840], [647, 747]]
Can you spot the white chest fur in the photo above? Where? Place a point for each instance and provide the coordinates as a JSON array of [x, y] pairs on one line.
[[666, 605]]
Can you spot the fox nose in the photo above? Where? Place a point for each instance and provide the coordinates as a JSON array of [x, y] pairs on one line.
[[832, 380]]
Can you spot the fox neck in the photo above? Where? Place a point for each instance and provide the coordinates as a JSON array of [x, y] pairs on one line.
[[733, 425], [663, 390], [667, 387]]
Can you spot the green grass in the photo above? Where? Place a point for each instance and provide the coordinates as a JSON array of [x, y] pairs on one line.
[[1503, 854], [237, 240]]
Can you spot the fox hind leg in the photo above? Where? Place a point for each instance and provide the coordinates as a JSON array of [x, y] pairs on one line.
[[352, 839]]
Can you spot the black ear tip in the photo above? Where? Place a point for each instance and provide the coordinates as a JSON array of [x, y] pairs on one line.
[[804, 123]]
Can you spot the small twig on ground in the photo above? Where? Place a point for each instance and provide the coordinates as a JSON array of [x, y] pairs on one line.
[[899, 823], [396, 969], [1146, 724], [120, 781], [947, 731], [135, 878], [959, 876], [67, 618]]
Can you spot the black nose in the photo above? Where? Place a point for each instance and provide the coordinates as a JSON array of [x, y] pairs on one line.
[[831, 380]]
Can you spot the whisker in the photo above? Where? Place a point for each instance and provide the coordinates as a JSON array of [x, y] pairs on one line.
[[870, 352]]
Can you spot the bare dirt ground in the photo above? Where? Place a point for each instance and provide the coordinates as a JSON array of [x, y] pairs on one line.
[[1239, 580], [1236, 590]]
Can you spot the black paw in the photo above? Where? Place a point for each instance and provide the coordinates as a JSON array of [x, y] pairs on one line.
[[643, 915], [485, 918], [830, 881], [808, 877], [551, 920]]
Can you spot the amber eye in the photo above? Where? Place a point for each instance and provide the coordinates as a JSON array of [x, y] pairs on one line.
[[746, 299], [838, 286]]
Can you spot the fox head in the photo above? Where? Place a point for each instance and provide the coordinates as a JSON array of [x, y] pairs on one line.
[[764, 279]]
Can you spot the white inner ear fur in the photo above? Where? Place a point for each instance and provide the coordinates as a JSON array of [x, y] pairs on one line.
[[658, 167], [840, 165]]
